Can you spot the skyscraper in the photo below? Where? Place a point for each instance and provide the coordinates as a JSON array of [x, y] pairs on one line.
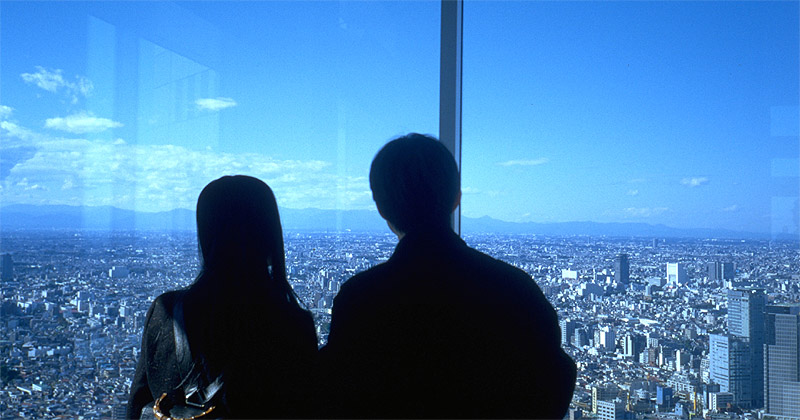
[[610, 410], [730, 367], [622, 269], [720, 271], [746, 319], [605, 338], [605, 392], [676, 273], [663, 395], [7, 269], [567, 331], [782, 361], [632, 345]]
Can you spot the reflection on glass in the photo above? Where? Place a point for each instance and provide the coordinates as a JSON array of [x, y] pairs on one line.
[[114, 115]]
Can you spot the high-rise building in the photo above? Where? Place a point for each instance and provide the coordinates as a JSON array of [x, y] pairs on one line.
[[622, 269], [720, 400], [727, 270], [580, 337], [720, 271], [705, 367], [7, 269], [605, 392], [782, 361], [610, 410], [708, 389], [730, 367], [632, 345], [676, 274], [567, 331], [746, 319], [652, 340], [118, 272], [682, 357], [604, 338], [663, 396]]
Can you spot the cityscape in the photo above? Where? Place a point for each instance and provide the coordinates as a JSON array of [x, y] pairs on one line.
[[659, 328], [639, 160]]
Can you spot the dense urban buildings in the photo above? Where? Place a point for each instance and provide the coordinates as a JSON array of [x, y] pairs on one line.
[[646, 348]]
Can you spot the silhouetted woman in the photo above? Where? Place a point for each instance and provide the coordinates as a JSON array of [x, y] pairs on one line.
[[242, 319]]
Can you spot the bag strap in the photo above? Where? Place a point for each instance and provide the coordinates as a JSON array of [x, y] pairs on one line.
[[194, 392], [182, 351]]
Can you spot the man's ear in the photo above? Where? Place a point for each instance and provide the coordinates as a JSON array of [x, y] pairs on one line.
[[457, 202], [380, 210], [388, 223]]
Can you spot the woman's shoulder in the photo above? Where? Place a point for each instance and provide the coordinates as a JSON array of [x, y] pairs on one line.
[[164, 302], [160, 313]]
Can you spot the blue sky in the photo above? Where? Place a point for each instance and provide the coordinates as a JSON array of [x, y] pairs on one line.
[[681, 113]]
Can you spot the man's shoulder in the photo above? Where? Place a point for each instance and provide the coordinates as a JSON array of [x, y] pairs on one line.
[[490, 263], [477, 263], [365, 283], [466, 266]]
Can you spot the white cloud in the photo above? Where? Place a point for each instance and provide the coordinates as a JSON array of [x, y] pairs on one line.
[[5, 111], [214, 104], [731, 208], [68, 184], [12, 130], [163, 177], [49, 80], [84, 85], [471, 191], [525, 162], [80, 123], [53, 80], [644, 211], [694, 182], [633, 193]]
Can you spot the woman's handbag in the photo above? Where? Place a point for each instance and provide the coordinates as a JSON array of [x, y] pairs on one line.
[[194, 398]]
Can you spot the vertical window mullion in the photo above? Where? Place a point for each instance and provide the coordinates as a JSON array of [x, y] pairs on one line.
[[450, 86]]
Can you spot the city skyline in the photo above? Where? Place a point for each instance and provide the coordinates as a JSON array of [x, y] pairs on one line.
[[74, 304], [687, 118]]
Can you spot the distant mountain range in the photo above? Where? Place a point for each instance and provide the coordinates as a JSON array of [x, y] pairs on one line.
[[19, 216]]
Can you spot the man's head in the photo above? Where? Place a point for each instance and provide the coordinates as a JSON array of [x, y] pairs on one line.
[[415, 183]]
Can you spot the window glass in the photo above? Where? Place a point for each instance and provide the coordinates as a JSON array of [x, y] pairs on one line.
[[114, 116], [666, 131]]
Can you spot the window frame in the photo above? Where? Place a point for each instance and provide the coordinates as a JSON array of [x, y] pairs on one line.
[[450, 71]]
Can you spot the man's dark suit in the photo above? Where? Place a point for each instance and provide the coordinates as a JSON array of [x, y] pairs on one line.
[[442, 330]]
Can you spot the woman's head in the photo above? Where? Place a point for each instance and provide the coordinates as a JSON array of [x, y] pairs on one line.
[[239, 231]]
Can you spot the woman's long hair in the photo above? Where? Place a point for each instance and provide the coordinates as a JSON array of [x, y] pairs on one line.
[[239, 232], [242, 283]]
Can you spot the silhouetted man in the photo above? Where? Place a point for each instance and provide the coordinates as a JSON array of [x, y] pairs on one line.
[[440, 329]]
